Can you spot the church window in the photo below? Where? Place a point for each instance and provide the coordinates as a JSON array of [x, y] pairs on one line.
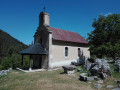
[[66, 51], [79, 52]]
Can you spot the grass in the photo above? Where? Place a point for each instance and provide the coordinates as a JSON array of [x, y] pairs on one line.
[[52, 80], [114, 73], [44, 80]]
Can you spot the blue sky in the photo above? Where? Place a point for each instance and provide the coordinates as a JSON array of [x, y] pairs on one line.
[[20, 18]]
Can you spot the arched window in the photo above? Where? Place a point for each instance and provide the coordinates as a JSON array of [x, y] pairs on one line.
[[79, 52], [66, 51]]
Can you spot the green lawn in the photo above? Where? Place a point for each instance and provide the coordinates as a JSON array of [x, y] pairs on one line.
[[44, 80], [49, 80]]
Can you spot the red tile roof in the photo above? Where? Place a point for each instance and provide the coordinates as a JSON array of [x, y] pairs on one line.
[[63, 35]]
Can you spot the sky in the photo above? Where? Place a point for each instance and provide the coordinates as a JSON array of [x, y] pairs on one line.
[[20, 18]]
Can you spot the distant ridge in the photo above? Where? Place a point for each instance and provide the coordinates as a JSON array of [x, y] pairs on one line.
[[9, 44]]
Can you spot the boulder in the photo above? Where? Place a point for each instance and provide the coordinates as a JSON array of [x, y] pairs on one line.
[[83, 77], [90, 78], [3, 72], [118, 82], [98, 86], [116, 89], [87, 64], [117, 64], [100, 81], [70, 69], [109, 86], [100, 67]]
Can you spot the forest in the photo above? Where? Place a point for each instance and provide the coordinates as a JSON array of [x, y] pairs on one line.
[[9, 51]]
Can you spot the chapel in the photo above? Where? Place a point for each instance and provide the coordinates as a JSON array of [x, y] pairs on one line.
[[54, 48]]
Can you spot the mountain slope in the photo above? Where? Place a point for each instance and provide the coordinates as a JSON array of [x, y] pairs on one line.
[[9, 45]]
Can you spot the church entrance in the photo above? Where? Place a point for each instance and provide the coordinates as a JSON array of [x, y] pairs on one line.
[[37, 61]]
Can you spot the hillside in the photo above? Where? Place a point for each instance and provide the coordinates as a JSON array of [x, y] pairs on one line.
[[9, 45]]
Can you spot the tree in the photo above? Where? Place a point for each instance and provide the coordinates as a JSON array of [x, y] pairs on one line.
[[105, 39]]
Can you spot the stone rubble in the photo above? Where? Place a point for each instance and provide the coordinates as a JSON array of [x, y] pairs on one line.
[[98, 86], [118, 83], [116, 89], [117, 64], [100, 81], [84, 77], [4, 72], [100, 67], [109, 86]]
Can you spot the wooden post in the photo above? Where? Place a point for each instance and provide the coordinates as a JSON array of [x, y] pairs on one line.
[[22, 60], [30, 63]]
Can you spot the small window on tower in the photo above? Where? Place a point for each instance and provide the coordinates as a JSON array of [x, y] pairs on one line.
[[66, 51], [79, 52], [42, 21]]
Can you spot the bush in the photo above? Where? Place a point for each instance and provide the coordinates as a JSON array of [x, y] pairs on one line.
[[6, 63], [26, 62], [1, 67], [14, 61], [92, 59]]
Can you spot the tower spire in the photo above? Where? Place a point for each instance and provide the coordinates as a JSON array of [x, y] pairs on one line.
[[44, 8]]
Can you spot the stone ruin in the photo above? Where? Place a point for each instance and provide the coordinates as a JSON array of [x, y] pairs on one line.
[[99, 67], [117, 64], [4, 72], [97, 70]]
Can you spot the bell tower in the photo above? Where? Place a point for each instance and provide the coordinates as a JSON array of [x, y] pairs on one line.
[[43, 19]]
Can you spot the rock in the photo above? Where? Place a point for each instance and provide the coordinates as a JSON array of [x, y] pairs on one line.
[[100, 67], [4, 72], [10, 69], [69, 72], [70, 69], [116, 89], [87, 64], [83, 77], [89, 82], [118, 67], [90, 78], [78, 69], [118, 82], [117, 64], [98, 86], [100, 81], [109, 86], [103, 75], [96, 78], [74, 63]]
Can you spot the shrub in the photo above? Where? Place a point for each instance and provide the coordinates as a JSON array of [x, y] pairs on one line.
[[6, 63], [26, 62], [14, 61], [1, 67]]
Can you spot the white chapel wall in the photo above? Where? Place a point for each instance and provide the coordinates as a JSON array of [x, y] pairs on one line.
[[57, 56]]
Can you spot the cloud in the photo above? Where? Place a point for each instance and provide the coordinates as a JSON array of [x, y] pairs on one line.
[[107, 14]]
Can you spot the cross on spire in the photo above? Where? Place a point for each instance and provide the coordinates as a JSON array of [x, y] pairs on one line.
[[44, 8]]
